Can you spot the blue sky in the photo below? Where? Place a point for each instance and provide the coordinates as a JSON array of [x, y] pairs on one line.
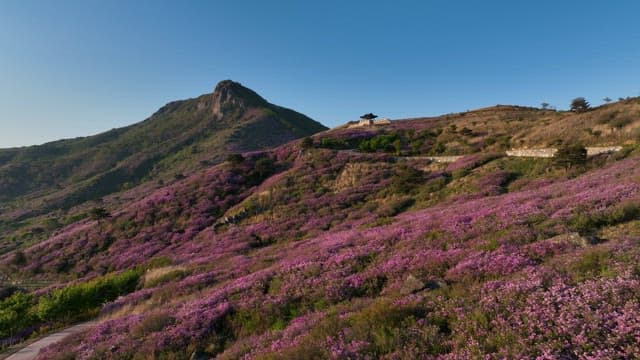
[[72, 68]]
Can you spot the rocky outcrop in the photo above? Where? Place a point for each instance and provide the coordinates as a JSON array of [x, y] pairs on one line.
[[230, 96]]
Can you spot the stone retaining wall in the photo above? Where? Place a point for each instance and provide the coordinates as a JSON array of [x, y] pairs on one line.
[[539, 153], [550, 152], [437, 159], [596, 150]]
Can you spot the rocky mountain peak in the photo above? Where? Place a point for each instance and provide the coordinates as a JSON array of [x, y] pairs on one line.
[[230, 96]]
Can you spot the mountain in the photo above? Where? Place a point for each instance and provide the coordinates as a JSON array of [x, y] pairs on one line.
[[362, 243], [180, 137]]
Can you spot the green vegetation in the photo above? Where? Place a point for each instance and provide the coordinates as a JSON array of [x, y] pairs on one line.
[[81, 300], [98, 213], [378, 329], [235, 159], [406, 179], [571, 155], [65, 305], [592, 263], [257, 320], [264, 167], [580, 104], [333, 143], [307, 143], [384, 142], [586, 222], [159, 261], [16, 313], [19, 258], [395, 206]]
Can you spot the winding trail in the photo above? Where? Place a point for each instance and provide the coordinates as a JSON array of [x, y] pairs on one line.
[[30, 351]]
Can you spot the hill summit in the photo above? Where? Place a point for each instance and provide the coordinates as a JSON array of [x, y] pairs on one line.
[[231, 96]]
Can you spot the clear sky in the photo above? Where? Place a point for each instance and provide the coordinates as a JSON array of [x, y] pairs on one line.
[[72, 68]]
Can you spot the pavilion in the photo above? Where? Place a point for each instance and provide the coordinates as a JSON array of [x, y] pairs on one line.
[[367, 119]]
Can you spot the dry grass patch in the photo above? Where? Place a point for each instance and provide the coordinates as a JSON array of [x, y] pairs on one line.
[[155, 277]]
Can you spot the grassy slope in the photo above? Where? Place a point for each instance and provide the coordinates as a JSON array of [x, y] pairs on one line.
[[502, 127]]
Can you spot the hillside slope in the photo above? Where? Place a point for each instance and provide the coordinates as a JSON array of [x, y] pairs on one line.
[[180, 137], [503, 127]]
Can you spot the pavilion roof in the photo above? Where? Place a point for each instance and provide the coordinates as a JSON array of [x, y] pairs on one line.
[[369, 116]]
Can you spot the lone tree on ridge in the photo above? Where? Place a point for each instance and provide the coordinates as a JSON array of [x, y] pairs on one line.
[[580, 104]]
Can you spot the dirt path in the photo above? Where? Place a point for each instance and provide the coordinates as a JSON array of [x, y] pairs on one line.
[[31, 351]]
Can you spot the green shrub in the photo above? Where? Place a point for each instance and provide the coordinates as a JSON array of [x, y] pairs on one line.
[[585, 222], [331, 143], [416, 146], [395, 206], [307, 143], [263, 168], [386, 143], [439, 148], [257, 241], [16, 313], [435, 184], [235, 159], [382, 327], [428, 133], [249, 321], [98, 213], [592, 263], [79, 300], [158, 262], [626, 151], [459, 174], [19, 258], [571, 155], [371, 287], [406, 179]]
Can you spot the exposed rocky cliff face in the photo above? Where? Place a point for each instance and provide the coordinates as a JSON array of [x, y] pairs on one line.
[[230, 97]]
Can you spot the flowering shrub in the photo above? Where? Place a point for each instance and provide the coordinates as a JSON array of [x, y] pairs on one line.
[[595, 319], [470, 162], [483, 264]]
